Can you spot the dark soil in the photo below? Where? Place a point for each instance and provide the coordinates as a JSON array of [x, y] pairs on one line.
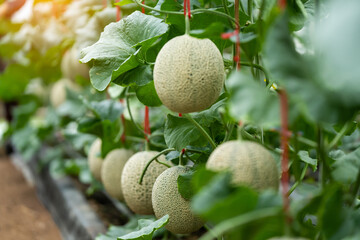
[[22, 216]]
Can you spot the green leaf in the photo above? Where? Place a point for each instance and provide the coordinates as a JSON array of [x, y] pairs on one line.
[[147, 229], [13, 81], [115, 52], [123, 2], [251, 102], [107, 109], [180, 132], [304, 156], [184, 185], [139, 76], [346, 167], [147, 95]]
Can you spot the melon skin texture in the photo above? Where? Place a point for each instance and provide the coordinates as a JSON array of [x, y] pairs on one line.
[[189, 74], [58, 91], [249, 163], [111, 171], [167, 200], [94, 160], [138, 197]]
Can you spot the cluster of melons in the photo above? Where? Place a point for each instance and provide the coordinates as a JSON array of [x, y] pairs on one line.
[[188, 76]]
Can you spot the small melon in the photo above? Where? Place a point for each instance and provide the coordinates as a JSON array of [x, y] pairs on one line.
[[166, 199], [189, 74], [111, 171], [94, 159], [138, 197], [58, 91], [249, 162]]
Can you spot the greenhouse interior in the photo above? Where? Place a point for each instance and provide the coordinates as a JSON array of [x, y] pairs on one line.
[[179, 120]]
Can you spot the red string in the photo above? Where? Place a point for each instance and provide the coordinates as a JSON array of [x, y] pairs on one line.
[[187, 8], [147, 123], [104, 3], [180, 115], [142, 8], [284, 146], [118, 17], [282, 4]]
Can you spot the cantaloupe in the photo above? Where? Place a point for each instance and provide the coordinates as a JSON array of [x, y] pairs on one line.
[[249, 162], [94, 159], [58, 91], [71, 66], [166, 199], [111, 171], [188, 74], [138, 197]]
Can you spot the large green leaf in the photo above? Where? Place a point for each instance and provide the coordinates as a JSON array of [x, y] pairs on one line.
[[147, 95], [146, 229], [347, 167], [180, 132], [115, 52], [251, 102]]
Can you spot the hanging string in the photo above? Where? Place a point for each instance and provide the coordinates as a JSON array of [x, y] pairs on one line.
[[104, 3], [235, 33], [187, 9], [147, 123], [142, 8], [285, 134], [118, 17], [282, 4]]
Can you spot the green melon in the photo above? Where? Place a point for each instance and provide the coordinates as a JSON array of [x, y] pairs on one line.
[[189, 74], [166, 199], [111, 171], [249, 162], [94, 159], [138, 197]]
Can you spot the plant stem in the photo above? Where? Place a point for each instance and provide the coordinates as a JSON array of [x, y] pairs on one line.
[[250, 9], [187, 25], [199, 10], [201, 129], [229, 132], [249, 64], [131, 116], [356, 188], [240, 220], [324, 168], [299, 181], [226, 10], [306, 141], [181, 160], [153, 159], [338, 136]]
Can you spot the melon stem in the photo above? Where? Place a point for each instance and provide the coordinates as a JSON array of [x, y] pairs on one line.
[[155, 159], [201, 129]]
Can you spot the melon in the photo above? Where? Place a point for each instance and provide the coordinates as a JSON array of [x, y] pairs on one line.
[[94, 159], [166, 199], [249, 163], [111, 171], [189, 74], [138, 197], [71, 66], [58, 91]]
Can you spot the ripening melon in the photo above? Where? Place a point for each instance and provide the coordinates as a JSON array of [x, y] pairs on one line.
[[166, 199], [106, 16], [58, 91], [71, 66], [94, 159], [249, 162], [138, 197], [189, 74], [111, 171]]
